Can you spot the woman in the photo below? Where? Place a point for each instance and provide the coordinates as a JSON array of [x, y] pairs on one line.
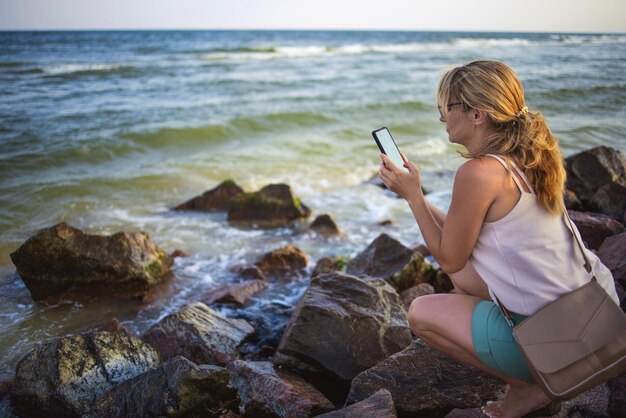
[[504, 232]]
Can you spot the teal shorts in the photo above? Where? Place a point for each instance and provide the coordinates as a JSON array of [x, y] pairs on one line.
[[494, 342]]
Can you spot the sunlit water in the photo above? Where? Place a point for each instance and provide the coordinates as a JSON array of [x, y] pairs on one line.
[[108, 130]]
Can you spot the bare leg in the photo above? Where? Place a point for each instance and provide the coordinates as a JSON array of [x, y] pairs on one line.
[[443, 321], [468, 282]]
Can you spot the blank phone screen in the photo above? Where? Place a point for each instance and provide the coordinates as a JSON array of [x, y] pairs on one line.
[[389, 147]]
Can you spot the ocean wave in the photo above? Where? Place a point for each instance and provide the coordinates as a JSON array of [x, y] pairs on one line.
[[591, 39], [78, 70], [490, 42]]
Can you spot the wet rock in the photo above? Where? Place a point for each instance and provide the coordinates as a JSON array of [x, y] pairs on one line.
[[216, 199], [589, 170], [266, 392], [200, 334], [411, 293], [66, 376], [272, 206], [325, 225], [251, 273], [237, 293], [424, 382], [341, 326], [612, 252], [62, 261], [283, 260], [388, 259], [329, 265], [617, 397], [113, 325], [379, 405], [595, 228], [178, 388], [610, 200]]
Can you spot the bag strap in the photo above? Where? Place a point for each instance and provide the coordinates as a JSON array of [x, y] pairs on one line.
[[586, 265]]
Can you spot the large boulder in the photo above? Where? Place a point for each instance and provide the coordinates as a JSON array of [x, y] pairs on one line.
[[610, 200], [217, 199], [341, 326], [379, 405], [200, 334], [66, 376], [617, 397], [589, 170], [595, 228], [425, 382], [329, 264], [64, 261], [178, 388], [283, 260], [267, 392], [612, 252], [388, 259], [272, 206]]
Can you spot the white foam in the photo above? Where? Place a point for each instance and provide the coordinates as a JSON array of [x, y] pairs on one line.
[[489, 42], [75, 68]]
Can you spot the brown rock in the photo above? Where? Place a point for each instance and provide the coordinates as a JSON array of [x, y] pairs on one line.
[[200, 334], [114, 325], [66, 376], [62, 261], [216, 199], [329, 265], [422, 249], [342, 325], [443, 283], [424, 382], [379, 405], [178, 253], [571, 200], [266, 392], [589, 170], [595, 228], [283, 260], [411, 293], [612, 252], [237, 293], [272, 206], [324, 224], [177, 388], [610, 200]]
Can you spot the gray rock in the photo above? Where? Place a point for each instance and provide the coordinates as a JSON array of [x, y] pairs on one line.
[[65, 377], [329, 265], [200, 334], [411, 293], [595, 228], [610, 200], [342, 325], [217, 199], [237, 293], [612, 253], [379, 405], [266, 392], [425, 383], [589, 170], [178, 388], [288, 259], [63, 261], [617, 397]]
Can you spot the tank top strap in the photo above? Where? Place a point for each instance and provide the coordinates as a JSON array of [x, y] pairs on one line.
[[523, 177], [506, 167]]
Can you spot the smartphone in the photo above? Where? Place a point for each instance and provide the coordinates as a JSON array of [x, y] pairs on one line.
[[388, 146]]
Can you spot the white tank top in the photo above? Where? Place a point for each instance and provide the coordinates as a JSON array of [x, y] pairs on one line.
[[529, 257]]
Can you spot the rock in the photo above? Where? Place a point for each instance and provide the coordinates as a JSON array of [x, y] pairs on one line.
[[200, 334], [379, 405], [595, 228], [251, 273], [329, 265], [589, 170], [272, 206], [411, 293], [388, 259], [424, 382], [5, 388], [617, 397], [266, 392], [571, 200], [66, 376], [216, 199], [386, 222], [612, 253], [422, 249], [443, 283], [62, 261], [178, 388], [113, 325], [466, 413], [283, 260], [178, 253], [237, 293], [341, 326], [325, 225], [610, 200]]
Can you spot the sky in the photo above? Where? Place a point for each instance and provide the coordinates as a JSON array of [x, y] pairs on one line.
[[446, 15]]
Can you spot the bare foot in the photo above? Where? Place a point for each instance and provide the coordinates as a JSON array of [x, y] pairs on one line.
[[518, 402]]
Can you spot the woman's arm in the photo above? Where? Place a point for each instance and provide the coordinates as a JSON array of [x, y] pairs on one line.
[[450, 242]]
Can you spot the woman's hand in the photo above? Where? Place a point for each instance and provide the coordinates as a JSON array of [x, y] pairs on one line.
[[406, 185]]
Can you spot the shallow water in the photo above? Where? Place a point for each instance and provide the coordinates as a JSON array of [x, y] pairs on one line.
[[108, 130]]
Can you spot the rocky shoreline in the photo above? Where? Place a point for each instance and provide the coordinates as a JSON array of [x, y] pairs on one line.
[[345, 349]]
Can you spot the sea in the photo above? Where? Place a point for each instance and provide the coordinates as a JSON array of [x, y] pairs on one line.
[[108, 130]]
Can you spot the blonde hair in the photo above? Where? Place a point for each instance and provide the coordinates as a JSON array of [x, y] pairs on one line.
[[523, 136]]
